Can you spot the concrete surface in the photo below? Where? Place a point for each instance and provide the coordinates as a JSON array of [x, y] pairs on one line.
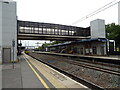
[[11, 78]]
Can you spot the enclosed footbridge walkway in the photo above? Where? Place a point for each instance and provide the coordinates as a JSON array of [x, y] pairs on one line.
[[28, 30]]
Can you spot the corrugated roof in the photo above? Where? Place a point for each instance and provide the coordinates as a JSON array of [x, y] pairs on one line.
[[60, 44], [80, 41]]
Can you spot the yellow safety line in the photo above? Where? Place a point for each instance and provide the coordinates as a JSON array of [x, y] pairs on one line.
[[42, 81]]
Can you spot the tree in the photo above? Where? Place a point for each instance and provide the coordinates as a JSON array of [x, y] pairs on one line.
[[113, 32]]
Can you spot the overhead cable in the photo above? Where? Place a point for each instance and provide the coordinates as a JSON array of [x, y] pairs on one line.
[[96, 11]]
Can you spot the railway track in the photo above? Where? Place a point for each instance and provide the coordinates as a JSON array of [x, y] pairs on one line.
[[86, 64], [81, 63], [99, 63], [94, 67]]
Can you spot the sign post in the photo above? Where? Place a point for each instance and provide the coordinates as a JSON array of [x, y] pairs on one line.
[[13, 45]]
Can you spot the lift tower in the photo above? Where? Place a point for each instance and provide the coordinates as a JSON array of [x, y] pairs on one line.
[[8, 31]]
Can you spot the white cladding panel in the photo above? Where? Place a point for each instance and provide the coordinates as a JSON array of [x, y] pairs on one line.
[[119, 13], [0, 23], [97, 28], [9, 23], [0, 32]]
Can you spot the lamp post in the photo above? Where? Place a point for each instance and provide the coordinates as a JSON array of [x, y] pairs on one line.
[[13, 45]]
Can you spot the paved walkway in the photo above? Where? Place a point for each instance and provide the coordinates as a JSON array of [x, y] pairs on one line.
[[30, 73], [11, 78]]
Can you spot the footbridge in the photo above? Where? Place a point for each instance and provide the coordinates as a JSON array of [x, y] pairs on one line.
[[27, 30]]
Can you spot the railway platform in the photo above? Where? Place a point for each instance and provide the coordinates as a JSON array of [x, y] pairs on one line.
[[30, 73]]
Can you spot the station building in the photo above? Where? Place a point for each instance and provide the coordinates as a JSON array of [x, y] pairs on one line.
[[96, 46]]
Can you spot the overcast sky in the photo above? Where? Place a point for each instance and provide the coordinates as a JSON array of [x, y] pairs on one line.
[[65, 11]]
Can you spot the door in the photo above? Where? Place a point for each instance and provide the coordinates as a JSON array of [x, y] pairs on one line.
[[94, 50], [102, 50], [6, 55]]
